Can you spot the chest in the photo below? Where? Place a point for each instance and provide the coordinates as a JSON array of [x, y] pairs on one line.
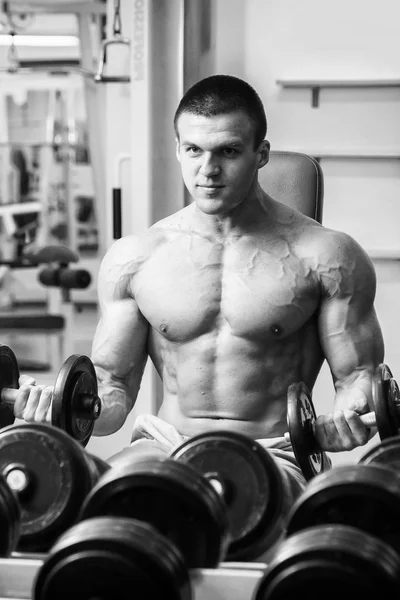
[[250, 288]]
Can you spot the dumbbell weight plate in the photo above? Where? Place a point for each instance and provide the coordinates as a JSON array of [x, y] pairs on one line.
[[385, 395], [362, 496], [57, 477], [10, 519], [76, 377], [301, 417], [254, 489], [386, 453], [9, 378], [335, 561], [170, 496], [113, 559]]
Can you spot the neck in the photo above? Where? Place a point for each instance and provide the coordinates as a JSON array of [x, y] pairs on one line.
[[234, 223]]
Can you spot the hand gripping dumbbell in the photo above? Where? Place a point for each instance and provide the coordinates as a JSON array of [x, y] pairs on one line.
[[301, 418], [50, 475], [338, 561], [75, 404]]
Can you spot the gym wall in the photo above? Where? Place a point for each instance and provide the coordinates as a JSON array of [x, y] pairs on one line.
[[287, 39]]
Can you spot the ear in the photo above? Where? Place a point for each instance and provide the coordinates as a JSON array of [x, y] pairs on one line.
[[177, 149], [263, 152]]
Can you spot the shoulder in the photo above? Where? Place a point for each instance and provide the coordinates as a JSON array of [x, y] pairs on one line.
[[342, 264], [333, 257], [122, 261]]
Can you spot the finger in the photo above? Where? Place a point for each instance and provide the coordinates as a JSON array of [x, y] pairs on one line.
[[345, 435], [26, 380], [21, 400], [332, 432], [48, 415], [44, 404], [360, 434], [325, 432], [32, 403]]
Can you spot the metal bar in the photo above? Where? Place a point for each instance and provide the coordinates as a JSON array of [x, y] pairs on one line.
[[83, 8], [18, 208], [231, 581], [338, 83]]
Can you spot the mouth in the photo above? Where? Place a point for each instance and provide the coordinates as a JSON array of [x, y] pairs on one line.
[[210, 187]]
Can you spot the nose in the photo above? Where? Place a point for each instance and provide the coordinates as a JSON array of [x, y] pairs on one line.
[[209, 167]]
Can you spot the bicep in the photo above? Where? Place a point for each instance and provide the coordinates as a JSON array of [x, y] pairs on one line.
[[120, 341], [351, 337], [119, 349], [349, 331]]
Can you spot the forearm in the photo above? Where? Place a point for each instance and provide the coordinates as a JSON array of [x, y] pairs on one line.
[[354, 391], [116, 404], [114, 411]]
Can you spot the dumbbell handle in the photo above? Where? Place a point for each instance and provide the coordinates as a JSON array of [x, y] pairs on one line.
[[369, 420], [90, 405]]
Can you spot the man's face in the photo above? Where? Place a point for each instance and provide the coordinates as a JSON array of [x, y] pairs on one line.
[[218, 159]]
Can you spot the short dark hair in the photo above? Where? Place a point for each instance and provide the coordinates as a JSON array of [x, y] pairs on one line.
[[221, 94]]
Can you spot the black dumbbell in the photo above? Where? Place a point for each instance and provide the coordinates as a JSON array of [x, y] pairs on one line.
[[256, 487], [170, 496], [10, 519], [51, 474], [359, 495], [75, 404], [113, 558], [301, 418], [338, 561], [387, 453]]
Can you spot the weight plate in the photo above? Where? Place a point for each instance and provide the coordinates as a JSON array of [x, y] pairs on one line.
[[10, 519], [386, 453], [113, 559], [362, 496], [338, 561], [9, 378], [385, 393], [173, 498], [97, 466], [253, 487], [75, 381], [55, 480], [301, 418]]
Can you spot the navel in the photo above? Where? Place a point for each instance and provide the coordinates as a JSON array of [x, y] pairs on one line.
[[276, 329]]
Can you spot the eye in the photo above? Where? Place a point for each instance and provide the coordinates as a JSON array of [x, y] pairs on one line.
[[193, 150], [230, 152]]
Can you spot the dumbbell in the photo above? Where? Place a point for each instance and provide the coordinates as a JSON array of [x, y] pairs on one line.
[[10, 519], [387, 453], [257, 487], [338, 561], [173, 498], [75, 404], [50, 474], [113, 558], [253, 488], [301, 418], [366, 497]]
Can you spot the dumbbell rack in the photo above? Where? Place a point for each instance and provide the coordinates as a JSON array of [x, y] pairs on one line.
[[231, 581]]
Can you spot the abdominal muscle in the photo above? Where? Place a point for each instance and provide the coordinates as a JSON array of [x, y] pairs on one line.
[[243, 388]]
